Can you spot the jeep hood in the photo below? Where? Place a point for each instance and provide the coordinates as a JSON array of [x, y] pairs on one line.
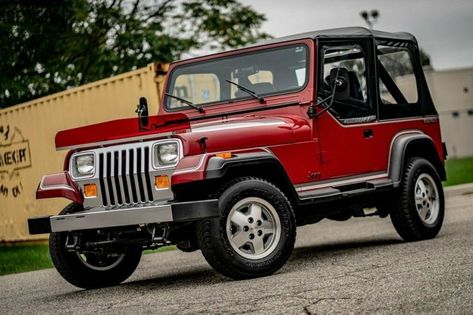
[[247, 132], [119, 131]]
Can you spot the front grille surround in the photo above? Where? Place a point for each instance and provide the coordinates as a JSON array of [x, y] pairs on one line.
[[125, 176]]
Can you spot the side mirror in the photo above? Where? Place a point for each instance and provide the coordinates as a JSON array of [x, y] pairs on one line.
[[142, 111], [340, 81]]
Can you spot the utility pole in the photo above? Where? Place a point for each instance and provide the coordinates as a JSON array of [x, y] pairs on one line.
[[370, 17]]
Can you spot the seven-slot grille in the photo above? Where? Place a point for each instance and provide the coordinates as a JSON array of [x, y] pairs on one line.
[[124, 176]]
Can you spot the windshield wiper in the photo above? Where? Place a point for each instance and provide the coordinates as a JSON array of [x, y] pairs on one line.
[[199, 108], [244, 89]]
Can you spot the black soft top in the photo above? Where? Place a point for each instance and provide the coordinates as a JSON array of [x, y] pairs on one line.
[[343, 32], [336, 33]]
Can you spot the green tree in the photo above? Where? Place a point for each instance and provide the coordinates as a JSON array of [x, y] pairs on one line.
[[51, 45]]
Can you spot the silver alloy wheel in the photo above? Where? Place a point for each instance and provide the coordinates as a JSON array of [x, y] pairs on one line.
[[103, 264], [427, 199], [253, 228]]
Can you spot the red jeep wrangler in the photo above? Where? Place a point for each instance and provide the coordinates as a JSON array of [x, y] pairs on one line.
[[247, 145]]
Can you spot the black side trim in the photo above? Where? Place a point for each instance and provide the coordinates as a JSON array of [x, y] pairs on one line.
[[39, 225], [195, 210]]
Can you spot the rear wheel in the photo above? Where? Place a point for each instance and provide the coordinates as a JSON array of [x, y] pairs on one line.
[[255, 234], [417, 213], [92, 269]]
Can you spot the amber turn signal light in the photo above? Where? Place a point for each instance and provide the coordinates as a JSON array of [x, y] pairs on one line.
[[90, 190], [161, 181], [224, 155]]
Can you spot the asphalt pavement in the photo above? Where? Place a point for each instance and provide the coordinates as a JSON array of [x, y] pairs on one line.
[[359, 266]]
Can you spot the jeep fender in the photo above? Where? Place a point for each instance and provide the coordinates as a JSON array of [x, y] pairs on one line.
[[59, 185], [190, 169], [407, 144], [217, 170], [259, 164], [218, 167]]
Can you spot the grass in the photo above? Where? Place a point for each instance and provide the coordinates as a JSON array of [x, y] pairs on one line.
[[16, 258], [459, 171], [21, 257]]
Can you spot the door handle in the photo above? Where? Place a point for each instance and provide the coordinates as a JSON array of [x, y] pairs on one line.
[[368, 133]]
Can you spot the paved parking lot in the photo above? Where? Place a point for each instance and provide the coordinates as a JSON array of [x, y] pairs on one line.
[[357, 266]]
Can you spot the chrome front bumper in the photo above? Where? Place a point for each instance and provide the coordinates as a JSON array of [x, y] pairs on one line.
[[98, 218]]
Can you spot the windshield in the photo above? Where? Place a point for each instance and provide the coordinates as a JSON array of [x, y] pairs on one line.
[[265, 72]]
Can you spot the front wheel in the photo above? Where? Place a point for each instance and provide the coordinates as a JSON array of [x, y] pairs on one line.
[[418, 211], [92, 269], [255, 234]]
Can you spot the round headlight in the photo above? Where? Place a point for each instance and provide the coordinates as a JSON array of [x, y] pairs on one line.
[[83, 165], [167, 153]]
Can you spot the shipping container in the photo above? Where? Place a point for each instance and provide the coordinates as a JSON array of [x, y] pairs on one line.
[[27, 132]]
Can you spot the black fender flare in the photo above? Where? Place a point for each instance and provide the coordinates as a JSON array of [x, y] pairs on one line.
[[218, 168], [400, 145]]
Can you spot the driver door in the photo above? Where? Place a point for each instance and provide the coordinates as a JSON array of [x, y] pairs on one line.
[[348, 133]]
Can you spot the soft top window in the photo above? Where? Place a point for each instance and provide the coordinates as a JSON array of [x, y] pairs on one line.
[[266, 72], [396, 63], [398, 82], [357, 108]]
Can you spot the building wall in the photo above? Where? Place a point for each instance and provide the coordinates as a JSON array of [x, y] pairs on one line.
[[27, 132], [452, 91]]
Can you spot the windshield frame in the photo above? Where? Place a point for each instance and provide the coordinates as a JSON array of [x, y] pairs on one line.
[[239, 53]]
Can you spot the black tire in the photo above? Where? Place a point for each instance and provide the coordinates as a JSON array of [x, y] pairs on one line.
[[71, 267], [405, 215], [214, 241]]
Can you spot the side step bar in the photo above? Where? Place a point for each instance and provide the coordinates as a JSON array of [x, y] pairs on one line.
[[337, 192]]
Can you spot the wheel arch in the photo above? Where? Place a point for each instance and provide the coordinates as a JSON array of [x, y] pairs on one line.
[[409, 145], [263, 165]]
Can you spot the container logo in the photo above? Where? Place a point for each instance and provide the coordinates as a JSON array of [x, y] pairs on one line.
[[14, 155]]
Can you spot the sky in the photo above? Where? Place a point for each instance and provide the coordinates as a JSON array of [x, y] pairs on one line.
[[443, 28]]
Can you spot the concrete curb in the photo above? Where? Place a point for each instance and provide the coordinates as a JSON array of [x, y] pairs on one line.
[[457, 190]]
